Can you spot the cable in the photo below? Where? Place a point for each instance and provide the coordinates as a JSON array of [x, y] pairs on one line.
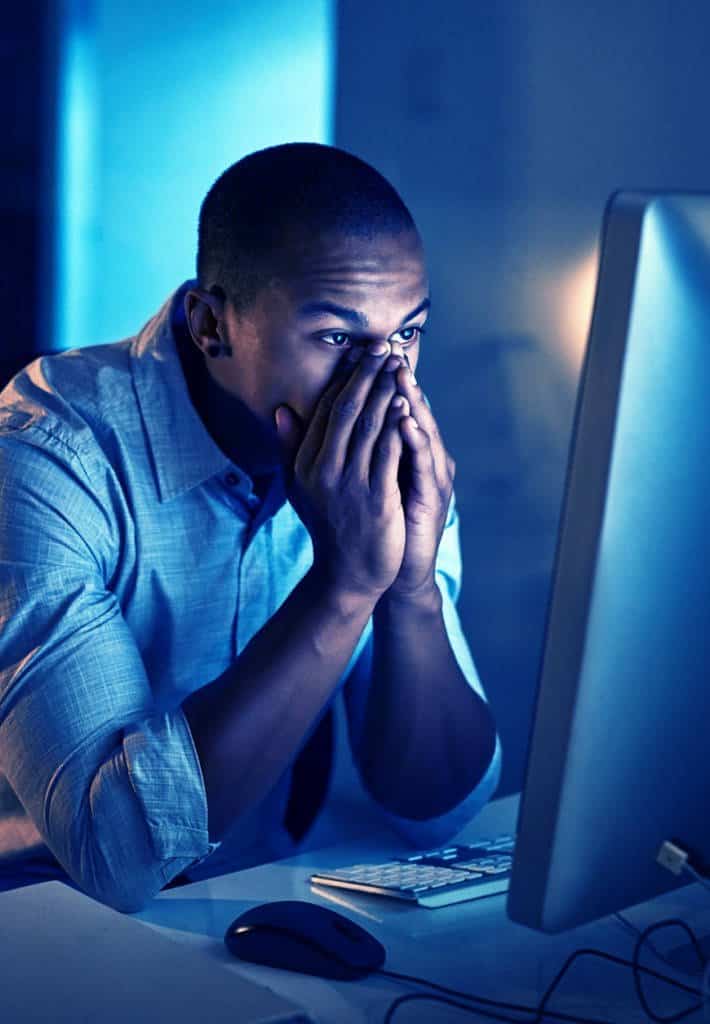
[[643, 937], [674, 922], [541, 1012], [706, 991], [631, 927], [613, 959], [497, 1003], [417, 997], [694, 873]]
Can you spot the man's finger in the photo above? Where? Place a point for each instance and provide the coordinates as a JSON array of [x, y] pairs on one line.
[[387, 452], [315, 430], [425, 418], [347, 407], [422, 471], [290, 433], [370, 421]]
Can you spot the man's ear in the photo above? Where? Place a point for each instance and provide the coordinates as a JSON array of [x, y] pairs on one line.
[[204, 313]]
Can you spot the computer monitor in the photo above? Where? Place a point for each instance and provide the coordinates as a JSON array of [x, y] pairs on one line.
[[619, 757]]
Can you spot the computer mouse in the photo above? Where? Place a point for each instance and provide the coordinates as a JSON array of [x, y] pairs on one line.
[[301, 936]]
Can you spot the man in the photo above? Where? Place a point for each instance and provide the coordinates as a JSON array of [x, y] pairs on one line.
[[209, 531]]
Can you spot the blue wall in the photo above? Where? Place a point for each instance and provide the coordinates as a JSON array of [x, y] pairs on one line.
[[506, 126], [158, 99]]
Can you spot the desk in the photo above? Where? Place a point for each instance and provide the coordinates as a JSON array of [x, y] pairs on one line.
[[471, 946]]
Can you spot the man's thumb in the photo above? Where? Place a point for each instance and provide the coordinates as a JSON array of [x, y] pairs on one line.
[[288, 429]]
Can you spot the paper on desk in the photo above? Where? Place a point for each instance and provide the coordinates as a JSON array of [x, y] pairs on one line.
[[68, 959]]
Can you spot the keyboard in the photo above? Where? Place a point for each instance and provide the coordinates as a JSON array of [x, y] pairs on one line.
[[435, 878]]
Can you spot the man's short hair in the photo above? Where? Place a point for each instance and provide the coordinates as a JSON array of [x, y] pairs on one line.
[[263, 203]]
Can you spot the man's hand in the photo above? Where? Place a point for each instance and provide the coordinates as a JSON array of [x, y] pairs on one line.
[[426, 482], [341, 474]]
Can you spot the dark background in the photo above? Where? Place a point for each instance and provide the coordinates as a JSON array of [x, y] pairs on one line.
[[505, 126]]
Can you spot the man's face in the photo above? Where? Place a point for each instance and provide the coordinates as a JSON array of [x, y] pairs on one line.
[[340, 292]]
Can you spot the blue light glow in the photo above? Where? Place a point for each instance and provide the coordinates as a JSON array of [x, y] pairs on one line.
[[75, 196], [158, 99]]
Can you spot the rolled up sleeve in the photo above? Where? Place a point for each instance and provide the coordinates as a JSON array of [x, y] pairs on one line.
[[113, 785], [433, 831]]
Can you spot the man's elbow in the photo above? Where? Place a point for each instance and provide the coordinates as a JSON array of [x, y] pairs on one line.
[[437, 831], [123, 901], [126, 888], [117, 866]]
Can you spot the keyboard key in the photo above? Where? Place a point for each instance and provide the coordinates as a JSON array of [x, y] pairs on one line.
[[433, 877]]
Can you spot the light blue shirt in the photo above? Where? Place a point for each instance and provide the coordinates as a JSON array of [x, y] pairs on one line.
[[136, 563]]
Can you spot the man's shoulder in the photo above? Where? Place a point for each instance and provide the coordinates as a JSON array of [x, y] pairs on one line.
[[72, 395]]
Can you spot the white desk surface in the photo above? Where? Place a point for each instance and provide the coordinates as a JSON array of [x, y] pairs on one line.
[[67, 959], [471, 946]]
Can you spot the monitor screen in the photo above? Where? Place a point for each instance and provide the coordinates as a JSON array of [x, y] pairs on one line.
[[618, 757]]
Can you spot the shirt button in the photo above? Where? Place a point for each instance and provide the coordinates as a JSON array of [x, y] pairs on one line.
[[231, 479]]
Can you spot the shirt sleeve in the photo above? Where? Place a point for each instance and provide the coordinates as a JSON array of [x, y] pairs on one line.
[[114, 787], [432, 831]]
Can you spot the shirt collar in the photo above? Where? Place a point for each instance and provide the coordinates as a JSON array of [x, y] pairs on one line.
[[184, 455]]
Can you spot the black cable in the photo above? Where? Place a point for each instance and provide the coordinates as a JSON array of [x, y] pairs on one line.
[[497, 1003], [612, 959], [643, 937], [629, 926], [541, 1012], [411, 998]]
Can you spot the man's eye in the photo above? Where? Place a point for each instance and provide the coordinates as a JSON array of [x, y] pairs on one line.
[[338, 339], [409, 334]]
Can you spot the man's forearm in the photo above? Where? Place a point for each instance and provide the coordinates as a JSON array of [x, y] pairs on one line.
[[248, 723], [428, 738]]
